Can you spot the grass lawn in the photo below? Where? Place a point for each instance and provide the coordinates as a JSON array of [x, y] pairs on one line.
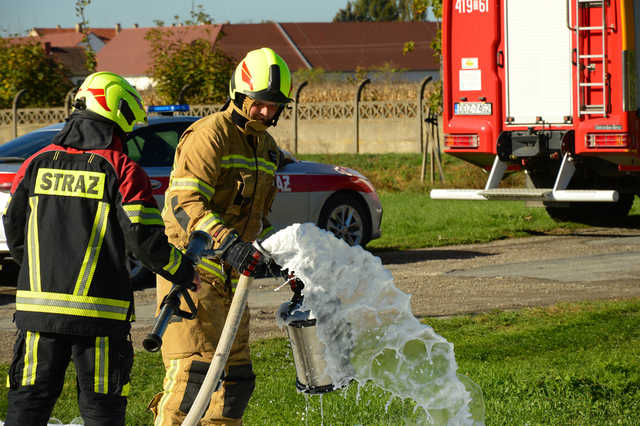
[[569, 364], [411, 219]]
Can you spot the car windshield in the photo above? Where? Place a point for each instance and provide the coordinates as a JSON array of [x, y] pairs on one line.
[[26, 145]]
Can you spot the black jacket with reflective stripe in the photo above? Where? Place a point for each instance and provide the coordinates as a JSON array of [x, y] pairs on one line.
[[72, 218]]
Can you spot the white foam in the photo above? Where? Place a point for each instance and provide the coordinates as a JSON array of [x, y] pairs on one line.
[[365, 321]]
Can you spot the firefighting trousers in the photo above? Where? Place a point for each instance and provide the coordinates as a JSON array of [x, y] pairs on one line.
[[187, 350], [36, 377]]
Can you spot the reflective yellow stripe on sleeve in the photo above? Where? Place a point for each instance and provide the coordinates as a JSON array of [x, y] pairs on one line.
[[137, 213], [93, 250], [71, 304], [175, 259], [101, 375], [6, 206], [33, 247], [192, 184], [30, 358], [208, 222], [212, 267]]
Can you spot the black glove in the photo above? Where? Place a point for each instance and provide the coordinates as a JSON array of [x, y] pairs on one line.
[[191, 285], [188, 281], [269, 269], [244, 258]]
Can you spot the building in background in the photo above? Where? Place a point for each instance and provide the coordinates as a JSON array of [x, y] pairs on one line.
[[67, 45], [340, 49]]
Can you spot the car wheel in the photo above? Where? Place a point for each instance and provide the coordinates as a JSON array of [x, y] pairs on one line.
[[140, 276], [347, 218]]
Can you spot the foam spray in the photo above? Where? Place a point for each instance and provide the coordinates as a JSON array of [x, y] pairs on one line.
[[366, 323]]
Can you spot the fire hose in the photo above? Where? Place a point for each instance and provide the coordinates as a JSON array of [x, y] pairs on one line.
[[216, 368], [200, 245]]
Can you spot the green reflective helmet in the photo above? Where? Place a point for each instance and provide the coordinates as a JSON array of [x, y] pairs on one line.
[[262, 75], [112, 97]]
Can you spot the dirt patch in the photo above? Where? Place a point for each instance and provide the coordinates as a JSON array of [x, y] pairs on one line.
[[588, 264]]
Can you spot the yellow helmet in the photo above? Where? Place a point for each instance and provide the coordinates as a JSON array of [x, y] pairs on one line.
[[112, 97], [262, 75]]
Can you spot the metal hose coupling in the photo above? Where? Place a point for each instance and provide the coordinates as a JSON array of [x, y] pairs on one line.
[[258, 245]]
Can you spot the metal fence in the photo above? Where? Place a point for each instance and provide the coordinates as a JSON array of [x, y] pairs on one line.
[[306, 111], [33, 116], [354, 111]]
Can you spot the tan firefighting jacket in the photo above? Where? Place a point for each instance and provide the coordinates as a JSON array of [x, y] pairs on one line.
[[223, 179]]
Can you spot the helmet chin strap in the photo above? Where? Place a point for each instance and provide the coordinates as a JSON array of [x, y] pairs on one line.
[[276, 116], [240, 115]]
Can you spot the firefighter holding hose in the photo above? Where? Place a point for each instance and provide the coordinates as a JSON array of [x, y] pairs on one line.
[[223, 183], [77, 207]]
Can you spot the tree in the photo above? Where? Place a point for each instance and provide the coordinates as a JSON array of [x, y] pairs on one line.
[[413, 10], [196, 17], [416, 10], [398, 10], [27, 66], [368, 10], [90, 62], [198, 65], [387, 10], [349, 14]]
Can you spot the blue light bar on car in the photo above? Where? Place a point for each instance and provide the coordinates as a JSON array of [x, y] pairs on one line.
[[168, 108]]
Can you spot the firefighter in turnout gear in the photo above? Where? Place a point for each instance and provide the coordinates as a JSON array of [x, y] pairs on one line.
[[223, 182], [77, 208]]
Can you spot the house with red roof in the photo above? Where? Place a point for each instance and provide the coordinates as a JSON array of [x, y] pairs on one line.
[[129, 54], [67, 45], [72, 37], [338, 48]]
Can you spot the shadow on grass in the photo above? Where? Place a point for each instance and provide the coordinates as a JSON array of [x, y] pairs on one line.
[[628, 222], [401, 257]]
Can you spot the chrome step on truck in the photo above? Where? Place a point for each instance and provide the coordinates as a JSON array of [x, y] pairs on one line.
[[558, 193]]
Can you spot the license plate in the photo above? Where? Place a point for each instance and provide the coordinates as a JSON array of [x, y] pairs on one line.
[[472, 108]]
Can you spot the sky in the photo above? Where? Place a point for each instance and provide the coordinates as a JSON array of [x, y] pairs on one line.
[[19, 16]]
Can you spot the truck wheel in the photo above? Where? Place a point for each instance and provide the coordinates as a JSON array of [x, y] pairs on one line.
[[347, 217], [606, 214]]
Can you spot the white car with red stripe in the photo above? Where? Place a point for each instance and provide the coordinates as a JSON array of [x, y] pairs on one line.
[[335, 198]]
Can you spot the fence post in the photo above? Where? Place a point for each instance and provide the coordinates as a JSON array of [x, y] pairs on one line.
[[295, 116], [356, 115], [67, 100], [14, 109], [421, 113]]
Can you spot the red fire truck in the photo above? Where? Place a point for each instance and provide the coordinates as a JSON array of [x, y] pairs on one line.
[[549, 87]]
